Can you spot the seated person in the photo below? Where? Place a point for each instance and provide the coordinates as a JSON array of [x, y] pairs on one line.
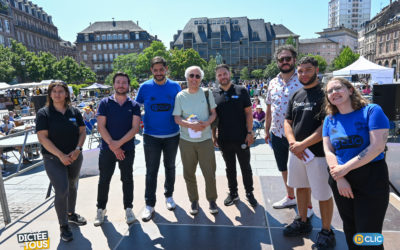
[[88, 116], [256, 102], [258, 118], [7, 125]]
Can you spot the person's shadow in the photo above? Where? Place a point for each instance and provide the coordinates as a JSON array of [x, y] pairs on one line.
[[79, 241]]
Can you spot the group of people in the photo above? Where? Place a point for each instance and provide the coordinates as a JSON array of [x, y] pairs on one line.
[[326, 140]]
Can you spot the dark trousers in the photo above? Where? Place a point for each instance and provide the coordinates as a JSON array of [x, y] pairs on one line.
[[153, 147], [229, 153], [280, 146], [65, 180], [366, 212], [107, 161]]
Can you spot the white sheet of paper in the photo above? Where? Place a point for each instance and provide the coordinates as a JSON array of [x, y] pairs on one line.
[[310, 155], [193, 134]]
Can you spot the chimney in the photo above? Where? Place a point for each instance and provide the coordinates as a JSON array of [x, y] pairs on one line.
[[137, 22], [113, 22], [155, 37]]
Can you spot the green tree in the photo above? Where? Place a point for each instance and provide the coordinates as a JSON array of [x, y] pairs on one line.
[[291, 41], [86, 75], [271, 70], [7, 71], [68, 70], [47, 61], [209, 70], [182, 59], [144, 59], [345, 58], [126, 64], [244, 74], [19, 60], [257, 73]]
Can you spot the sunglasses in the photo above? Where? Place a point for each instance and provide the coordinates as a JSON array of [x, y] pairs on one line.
[[193, 76], [285, 58]]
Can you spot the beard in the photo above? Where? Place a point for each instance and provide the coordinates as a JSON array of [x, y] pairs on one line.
[[312, 79], [159, 78], [224, 82], [291, 67], [121, 91]]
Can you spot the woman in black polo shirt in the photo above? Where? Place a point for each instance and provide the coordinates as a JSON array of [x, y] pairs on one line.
[[61, 131]]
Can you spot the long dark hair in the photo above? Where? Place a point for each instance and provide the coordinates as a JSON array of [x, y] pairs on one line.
[[50, 89]]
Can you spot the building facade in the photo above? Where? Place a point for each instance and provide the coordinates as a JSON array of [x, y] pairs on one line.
[[342, 35], [241, 42], [6, 27], [101, 42], [324, 47], [348, 13]]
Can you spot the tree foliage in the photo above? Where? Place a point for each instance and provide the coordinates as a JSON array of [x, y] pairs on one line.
[[209, 70], [257, 73], [144, 59], [291, 41], [271, 70], [244, 74], [182, 59], [345, 58], [322, 64]]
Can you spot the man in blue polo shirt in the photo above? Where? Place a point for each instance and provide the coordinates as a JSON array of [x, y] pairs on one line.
[[161, 133], [118, 120]]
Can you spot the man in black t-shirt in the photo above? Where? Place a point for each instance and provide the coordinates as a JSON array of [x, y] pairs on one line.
[[307, 164], [235, 133]]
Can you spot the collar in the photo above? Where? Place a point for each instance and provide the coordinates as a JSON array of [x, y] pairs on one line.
[[165, 83], [111, 97], [230, 88], [294, 74]]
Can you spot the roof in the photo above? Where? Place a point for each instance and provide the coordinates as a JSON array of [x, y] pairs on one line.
[[282, 31], [108, 26], [316, 40]]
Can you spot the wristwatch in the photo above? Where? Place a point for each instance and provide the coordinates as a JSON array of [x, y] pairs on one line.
[[249, 132], [79, 148]]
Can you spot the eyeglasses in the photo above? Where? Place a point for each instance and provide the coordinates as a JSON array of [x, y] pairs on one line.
[[285, 58], [193, 76], [336, 89]]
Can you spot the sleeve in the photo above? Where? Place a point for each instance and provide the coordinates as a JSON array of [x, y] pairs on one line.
[[41, 121], [325, 127], [136, 109], [177, 106], [377, 118], [211, 98], [79, 118], [246, 97], [268, 95], [139, 96], [101, 110], [289, 110]]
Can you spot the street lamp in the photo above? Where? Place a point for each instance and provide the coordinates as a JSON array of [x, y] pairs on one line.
[[23, 70]]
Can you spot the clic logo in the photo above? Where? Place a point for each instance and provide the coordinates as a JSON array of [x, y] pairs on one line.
[[368, 239]]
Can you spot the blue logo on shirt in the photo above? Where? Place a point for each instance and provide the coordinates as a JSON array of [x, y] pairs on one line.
[[161, 107], [352, 141]]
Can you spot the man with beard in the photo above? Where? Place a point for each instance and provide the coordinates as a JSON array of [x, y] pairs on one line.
[[235, 133], [118, 120], [307, 163], [280, 89], [161, 133]]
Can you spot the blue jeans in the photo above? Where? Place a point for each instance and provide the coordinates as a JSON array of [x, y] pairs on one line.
[[256, 125], [153, 147], [280, 146]]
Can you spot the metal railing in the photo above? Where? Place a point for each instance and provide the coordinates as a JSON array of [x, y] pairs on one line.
[[3, 195]]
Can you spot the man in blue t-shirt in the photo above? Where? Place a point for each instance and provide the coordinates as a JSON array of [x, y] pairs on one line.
[[118, 119], [161, 133]]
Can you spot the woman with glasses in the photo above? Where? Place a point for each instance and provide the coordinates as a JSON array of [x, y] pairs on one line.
[[61, 131], [354, 137], [194, 111]]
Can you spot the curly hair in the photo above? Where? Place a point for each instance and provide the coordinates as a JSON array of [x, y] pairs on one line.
[[54, 84], [357, 101]]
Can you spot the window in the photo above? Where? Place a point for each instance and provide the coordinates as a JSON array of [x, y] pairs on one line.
[[104, 46], [141, 45], [126, 36], [99, 46], [106, 57], [84, 47], [395, 44], [115, 37], [1, 40], [387, 37], [84, 57], [109, 36], [7, 26], [103, 37], [106, 66], [115, 45], [1, 25], [94, 57], [109, 46], [97, 38], [126, 45], [119, 36], [387, 47], [132, 46], [111, 57], [116, 55], [93, 46], [100, 57], [137, 36]]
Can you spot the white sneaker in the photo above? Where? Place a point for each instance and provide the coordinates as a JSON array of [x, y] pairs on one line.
[[284, 203], [148, 212], [170, 203], [129, 216], [99, 217], [310, 212]]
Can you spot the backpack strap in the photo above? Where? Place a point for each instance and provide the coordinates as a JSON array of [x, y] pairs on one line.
[[207, 93]]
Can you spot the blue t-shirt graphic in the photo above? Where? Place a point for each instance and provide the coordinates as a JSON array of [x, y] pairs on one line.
[[349, 133], [158, 101]]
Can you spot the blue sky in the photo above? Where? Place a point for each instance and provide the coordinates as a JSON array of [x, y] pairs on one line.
[[164, 18]]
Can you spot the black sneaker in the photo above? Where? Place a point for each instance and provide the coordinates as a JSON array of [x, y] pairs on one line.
[[231, 199], [194, 208], [250, 198], [298, 228], [325, 240], [77, 219], [213, 207], [66, 233]]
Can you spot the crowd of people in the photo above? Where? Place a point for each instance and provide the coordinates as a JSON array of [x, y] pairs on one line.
[[311, 129]]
